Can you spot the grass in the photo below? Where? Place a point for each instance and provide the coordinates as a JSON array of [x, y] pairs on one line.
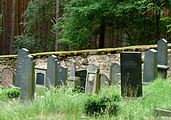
[[62, 104]]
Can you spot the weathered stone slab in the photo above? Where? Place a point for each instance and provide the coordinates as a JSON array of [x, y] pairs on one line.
[[162, 59], [131, 74], [51, 76], [7, 77], [62, 75], [114, 70], [72, 71], [150, 66], [162, 112], [92, 80], [104, 79]]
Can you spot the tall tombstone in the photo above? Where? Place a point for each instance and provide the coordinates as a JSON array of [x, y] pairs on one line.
[[81, 74], [162, 60], [92, 80], [62, 75], [72, 71], [25, 75], [51, 75], [131, 74], [150, 66], [20, 66], [115, 76]]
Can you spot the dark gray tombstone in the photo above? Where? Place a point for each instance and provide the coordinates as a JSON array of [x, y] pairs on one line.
[[162, 59], [114, 70], [80, 84], [150, 66], [72, 71], [131, 74], [20, 66], [40, 76], [62, 74], [92, 80], [51, 75], [104, 79]]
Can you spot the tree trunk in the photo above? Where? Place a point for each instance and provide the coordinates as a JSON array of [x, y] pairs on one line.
[[102, 34], [58, 5]]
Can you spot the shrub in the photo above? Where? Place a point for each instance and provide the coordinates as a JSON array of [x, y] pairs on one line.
[[99, 105], [13, 92]]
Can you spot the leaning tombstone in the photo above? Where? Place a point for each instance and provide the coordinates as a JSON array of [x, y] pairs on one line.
[[131, 74], [104, 79], [62, 74], [162, 60], [7, 77], [92, 80], [51, 75], [80, 84], [150, 66], [26, 77], [114, 73]]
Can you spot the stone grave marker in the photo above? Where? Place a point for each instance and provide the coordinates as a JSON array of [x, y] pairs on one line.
[[20, 66], [72, 71], [7, 77], [104, 79], [115, 77], [92, 80], [51, 75], [80, 84], [150, 66], [62, 75], [26, 76], [40, 76], [131, 74], [162, 60]]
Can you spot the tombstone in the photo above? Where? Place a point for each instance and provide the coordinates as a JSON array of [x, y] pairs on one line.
[[25, 75], [131, 74], [92, 80], [62, 75], [72, 71], [51, 75], [40, 76], [80, 84], [104, 79], [7, 77], [162, 60], [21, 56], [114, 76], [150, 66]]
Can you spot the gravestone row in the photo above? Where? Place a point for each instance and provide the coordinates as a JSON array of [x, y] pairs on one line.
[[128, 71]]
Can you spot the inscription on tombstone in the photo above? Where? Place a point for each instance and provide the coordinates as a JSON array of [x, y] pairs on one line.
[[40, 78], [150, 66], [131, 74], [51, 76], [162, 59], [92, 79], [115, 73]]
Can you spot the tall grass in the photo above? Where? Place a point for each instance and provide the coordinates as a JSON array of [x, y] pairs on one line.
[[62, 104]]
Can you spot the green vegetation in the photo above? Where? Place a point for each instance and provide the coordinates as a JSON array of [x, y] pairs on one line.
[[62, 103]]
